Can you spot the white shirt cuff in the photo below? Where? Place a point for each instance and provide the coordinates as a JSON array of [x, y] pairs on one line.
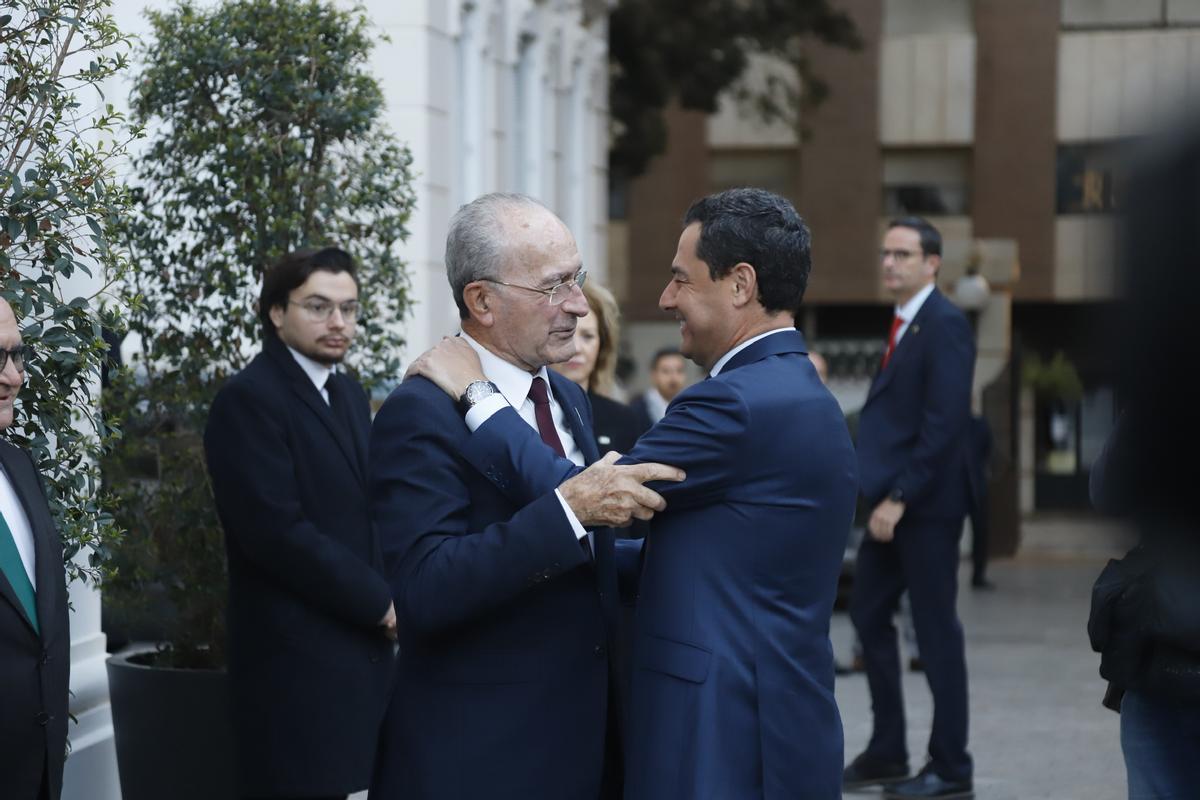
[[482, 411], [575, 526]]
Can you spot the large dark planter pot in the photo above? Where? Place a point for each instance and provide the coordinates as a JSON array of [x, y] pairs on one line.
[[172, 730]]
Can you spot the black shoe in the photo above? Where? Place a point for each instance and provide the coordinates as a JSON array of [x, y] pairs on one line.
[[870, 771], [928, 783], [980, 582], [915, 664]]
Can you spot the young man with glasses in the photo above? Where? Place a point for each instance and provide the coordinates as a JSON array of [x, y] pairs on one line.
[[311, 620], [508, 684], [35, 639]]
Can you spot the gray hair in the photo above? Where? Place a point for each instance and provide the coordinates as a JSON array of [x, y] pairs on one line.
[[477, 245]]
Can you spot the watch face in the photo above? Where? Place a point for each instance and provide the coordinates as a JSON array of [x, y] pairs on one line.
[[478, 390]]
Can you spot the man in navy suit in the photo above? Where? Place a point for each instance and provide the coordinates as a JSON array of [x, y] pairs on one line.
[[733, 670], [913, 451], [311, 622], [35, 635], [508, 685]]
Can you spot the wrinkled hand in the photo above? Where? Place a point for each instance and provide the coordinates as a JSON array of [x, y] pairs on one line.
[[388, 623], [882, 525], [608, 494], [451, 364]]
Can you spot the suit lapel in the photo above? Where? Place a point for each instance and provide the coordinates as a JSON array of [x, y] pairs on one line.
[[46, 560], [304, 389], [907, 344], [573, 416]]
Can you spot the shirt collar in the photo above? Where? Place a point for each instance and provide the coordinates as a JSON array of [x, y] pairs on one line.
[[512, 381], [716, 370], [317, 373], [908, 311]]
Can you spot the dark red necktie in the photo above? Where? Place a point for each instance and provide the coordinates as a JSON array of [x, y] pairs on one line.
[[897, 321], [545, 421], [549, 434]]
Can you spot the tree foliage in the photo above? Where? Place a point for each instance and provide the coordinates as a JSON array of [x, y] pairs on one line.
[[266, 138], [691, 51], [59, 207]]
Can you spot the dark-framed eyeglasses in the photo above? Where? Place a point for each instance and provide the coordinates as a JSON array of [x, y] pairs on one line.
[[19, 355], [319, 310], [899, 255], [556, 294]]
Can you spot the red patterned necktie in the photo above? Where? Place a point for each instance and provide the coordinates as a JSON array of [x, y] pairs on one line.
[[897, 321]]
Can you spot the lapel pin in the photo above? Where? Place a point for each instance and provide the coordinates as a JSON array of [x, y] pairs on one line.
[[916, 329]]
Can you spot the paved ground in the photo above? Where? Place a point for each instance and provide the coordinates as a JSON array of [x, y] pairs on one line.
[[1037, 727]]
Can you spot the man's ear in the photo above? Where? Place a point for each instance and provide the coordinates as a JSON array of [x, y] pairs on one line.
[[745, 284], [276, 315], [479, 302], [935, 262]]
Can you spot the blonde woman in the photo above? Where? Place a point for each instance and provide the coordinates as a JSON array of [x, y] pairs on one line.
[[593, 368]]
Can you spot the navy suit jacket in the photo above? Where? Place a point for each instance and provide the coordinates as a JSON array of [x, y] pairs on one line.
[[35, 666], [913, 430], [507, 627], [309, 665], [733, 670]]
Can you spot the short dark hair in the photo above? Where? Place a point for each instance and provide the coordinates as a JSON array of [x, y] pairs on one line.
[[665, 352], [761, 229], [292, 271], [931, 238]]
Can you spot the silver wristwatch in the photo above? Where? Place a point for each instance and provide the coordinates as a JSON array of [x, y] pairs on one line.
[[476, 391]]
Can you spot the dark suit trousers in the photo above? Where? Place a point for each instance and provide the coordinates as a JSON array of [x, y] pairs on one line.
[[923, 558]]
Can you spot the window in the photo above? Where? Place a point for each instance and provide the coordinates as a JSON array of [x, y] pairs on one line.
[[1085, 180], [1129, 13], [776, 171], [933, 182], [915, 17]]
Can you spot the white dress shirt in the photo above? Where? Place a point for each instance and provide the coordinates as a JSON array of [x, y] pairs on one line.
[[513, 383], [908, 312], [18, 523], [317, 372], [723, 360]]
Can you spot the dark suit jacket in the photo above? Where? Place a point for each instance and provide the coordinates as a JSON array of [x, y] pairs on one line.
[[309, 665], [616, 425], [913, 429], [733, 671], [502, 687], [35, 669], [641, 413]]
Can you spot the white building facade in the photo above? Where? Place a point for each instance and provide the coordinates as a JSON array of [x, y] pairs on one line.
[[490, 95]]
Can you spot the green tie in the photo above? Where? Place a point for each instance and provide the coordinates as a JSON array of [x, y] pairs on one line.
[[13, 569]]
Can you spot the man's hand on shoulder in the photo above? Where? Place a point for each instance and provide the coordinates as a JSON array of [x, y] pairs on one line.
[[451, 364], [611, 494], [882, 525]]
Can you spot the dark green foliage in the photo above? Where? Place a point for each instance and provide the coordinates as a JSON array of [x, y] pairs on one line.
[[59, 207], [267, 138], [691, 51]]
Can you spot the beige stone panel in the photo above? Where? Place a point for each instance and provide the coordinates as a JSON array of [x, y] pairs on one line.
[[1137, 82], [1171, 78], [1111, 12], [960, 89], [1105, 63], [1073, 55], [929, 79], [1183, 11], [618, 259], [735, 125], [1193, 69], [1070, 253], [1101, 257], [897, 91]]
